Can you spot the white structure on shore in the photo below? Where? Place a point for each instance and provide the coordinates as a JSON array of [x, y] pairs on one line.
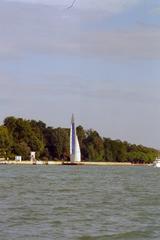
[[33, 156], [75, 153], [18, 158], [156, 163]]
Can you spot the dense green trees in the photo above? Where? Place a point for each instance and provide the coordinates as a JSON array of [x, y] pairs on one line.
[[25, 136], [5, 141], [117, 151], [94, 146], [19, 136]]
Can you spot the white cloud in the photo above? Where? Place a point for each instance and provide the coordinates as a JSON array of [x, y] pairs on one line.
[[111, 6], [42, 30], [23, 30], [156, 10], [138, 43], [43, 2]]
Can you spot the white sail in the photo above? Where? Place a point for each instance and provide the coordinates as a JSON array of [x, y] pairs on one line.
[[77, 151], [75, 154]]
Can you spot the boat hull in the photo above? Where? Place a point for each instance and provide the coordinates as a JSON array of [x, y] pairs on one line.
[[156, 163], [40, 163], [72, 163]]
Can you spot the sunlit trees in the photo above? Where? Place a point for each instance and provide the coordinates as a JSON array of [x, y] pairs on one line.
[[60, 143], [20, 136], [24, 136], [5, 141], [94, 146]]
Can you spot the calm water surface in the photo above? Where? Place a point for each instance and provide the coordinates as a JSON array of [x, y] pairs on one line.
[[79, 202]]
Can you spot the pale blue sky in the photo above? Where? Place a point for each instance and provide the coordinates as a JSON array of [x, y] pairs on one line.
[[99, 60]]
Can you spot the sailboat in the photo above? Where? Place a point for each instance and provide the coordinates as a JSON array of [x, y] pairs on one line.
[[156, 162], [75, 153]]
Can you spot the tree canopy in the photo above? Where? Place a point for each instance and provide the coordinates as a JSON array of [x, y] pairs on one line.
[[20, 136]]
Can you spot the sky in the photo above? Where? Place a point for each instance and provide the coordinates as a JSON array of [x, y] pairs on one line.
[[98, 59]]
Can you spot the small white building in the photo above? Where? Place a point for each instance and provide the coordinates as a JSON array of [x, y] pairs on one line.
[[33, 156], [18, 158]]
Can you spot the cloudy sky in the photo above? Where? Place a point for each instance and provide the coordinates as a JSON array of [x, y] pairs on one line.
[[99, 59]]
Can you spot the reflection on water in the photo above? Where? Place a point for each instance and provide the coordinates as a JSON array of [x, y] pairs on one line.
[[79, 202]]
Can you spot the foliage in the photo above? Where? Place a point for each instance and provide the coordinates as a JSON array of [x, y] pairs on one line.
[[25, 137], [5, 141], [95, 148], [117, 151], [20, 136]]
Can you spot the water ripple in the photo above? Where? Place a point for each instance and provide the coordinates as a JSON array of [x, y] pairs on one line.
[[83, 203]]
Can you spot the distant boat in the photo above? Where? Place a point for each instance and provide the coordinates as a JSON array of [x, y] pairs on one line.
[[75, 153], [156, 163]]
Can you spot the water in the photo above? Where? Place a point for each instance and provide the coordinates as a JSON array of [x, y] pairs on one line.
[[79, 202]]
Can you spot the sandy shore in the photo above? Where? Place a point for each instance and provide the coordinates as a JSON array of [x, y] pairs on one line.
[[13, 162]]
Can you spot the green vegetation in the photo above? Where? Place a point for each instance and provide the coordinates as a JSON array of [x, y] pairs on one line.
[[19, 136]]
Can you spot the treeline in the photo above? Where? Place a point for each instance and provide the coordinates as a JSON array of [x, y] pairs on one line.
[[19, 137]]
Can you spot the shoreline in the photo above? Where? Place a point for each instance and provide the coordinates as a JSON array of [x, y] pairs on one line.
[[62, 163]]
